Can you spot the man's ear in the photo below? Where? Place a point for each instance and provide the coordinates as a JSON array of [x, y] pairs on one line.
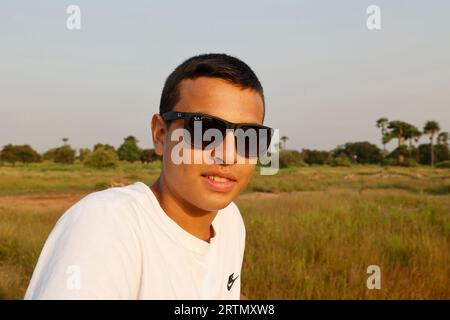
[[159, 130]]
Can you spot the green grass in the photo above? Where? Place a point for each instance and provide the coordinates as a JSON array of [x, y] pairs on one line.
[[360, 178], [311, 232], [41, 178]]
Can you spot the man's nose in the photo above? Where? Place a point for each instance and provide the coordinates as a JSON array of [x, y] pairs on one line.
[[225, 152]]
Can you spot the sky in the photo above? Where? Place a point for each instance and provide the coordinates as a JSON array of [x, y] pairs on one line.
[[327, 78]]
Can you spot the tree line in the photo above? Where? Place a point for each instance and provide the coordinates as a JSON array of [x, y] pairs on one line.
[[407, 153], [101, 155]]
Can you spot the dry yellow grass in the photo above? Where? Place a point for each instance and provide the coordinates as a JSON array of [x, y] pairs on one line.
[[311, 232], [25, 222], [316, 245]]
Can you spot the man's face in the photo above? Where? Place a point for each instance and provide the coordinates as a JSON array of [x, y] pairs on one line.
[[193, 183]]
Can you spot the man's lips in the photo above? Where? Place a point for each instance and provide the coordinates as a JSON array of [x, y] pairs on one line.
[[219, 181], [220, 174]]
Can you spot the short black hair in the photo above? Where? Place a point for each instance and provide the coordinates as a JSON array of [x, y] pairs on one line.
[[213, 65]]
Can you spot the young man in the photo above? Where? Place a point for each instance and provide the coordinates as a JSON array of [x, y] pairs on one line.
[[182, 237]]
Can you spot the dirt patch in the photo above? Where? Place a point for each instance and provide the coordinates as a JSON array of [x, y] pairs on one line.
[[41, 200], [258, 195], [49, 196]]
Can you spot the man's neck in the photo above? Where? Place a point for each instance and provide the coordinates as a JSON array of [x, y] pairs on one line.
[[196, 221]]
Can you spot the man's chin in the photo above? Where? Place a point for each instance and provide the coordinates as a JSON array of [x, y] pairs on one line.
[[213, 201]]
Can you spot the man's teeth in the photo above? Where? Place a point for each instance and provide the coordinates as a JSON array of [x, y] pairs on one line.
[[219, 179]]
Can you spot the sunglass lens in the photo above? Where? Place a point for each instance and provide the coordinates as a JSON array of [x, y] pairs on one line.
[[199, 125], [252, 141]]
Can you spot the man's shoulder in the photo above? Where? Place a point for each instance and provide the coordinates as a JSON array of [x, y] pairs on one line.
[[112, 203], [99, 230], [113, 197]]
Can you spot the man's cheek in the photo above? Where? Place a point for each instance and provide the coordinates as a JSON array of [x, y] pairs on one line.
[[245, 176]]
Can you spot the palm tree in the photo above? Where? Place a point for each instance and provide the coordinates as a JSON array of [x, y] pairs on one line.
[[283, 139], [412, 133], [431, 128], [381, 124], [443, 138], [396, 130]]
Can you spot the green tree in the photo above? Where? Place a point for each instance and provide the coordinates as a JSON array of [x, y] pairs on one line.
[[396, 130], [64, 154], [26, 154], [84, 152], [129, 150], [316, 156], [19, 153], [149, 155], [412, 133], [443, 138], [361, 152], [106, 146], [9, 154], [401, 152], [381, 124], [341, 161], [440, 151], [49, 154], [290, 158], [101, 158], [431, 128]]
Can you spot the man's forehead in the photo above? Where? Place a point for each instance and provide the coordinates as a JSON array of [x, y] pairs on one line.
[[220, 98]]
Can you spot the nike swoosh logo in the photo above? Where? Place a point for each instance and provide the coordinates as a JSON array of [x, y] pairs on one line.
[[231, 281]]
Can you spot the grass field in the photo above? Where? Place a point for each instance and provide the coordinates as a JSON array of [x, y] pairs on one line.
[[311, 231]]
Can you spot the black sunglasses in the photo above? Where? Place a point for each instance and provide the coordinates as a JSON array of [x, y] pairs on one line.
[[262, 134]]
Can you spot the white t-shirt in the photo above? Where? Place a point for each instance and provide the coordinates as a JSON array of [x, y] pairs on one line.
[[120, 244]]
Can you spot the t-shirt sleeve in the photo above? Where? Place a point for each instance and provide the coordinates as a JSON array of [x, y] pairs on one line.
[[92, 253]]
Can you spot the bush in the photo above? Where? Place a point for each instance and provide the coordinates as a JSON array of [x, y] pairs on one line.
[[149, 155], [362, 152], [401, 152], [441, 153], [443, 164], [410, 163], [64, 154], [389, 162], [19, 153], [341, 161], [26, 154], [101, 158], [105, 146], [84, 152], [290, 158], [316, 156], [49, 154], [9, 154]]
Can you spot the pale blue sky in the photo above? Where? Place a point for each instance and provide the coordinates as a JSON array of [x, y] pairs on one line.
[[327, 78]]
